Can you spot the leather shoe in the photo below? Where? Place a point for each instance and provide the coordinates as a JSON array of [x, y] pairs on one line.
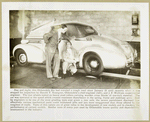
[[64, 76], [57, 77], [52, 79]]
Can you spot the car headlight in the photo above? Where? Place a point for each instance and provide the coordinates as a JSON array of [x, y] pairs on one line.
[[135, 53], [24, 41]]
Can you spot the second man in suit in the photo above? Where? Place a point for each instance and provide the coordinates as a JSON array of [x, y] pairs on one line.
[[52, 40]]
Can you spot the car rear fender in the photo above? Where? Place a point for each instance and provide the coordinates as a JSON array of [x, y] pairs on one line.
[[34, 54], [110, 59]]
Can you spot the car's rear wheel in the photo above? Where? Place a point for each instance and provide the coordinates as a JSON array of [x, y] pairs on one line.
[[92, 64], [21, 58]]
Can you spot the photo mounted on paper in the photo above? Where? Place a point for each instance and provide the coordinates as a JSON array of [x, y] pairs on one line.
[[80, 49]]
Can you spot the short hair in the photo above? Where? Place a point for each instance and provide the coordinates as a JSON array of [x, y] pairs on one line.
[[63, 26], [51, 28]]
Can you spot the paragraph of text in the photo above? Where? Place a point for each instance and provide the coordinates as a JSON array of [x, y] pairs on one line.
[[38, 99]]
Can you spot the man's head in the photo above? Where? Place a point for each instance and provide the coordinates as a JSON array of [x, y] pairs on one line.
[[63, 28]]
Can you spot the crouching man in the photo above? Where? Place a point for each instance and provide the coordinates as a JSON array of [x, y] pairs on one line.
[[69, 57]]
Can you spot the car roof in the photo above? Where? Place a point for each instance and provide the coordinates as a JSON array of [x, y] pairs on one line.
[[40, 30], [60, 23]]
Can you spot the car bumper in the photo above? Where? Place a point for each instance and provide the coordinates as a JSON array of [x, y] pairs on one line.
[[132, 59]]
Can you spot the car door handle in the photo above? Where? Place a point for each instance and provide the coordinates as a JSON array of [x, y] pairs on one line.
[[80, 39], [77, 39]]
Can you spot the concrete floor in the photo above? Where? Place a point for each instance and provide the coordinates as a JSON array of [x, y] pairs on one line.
[[34, 76]]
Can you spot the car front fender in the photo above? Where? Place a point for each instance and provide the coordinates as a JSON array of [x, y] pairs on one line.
[[110, 59], [34, 54]]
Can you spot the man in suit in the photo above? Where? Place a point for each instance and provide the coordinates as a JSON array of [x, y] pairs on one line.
[[51, 50]]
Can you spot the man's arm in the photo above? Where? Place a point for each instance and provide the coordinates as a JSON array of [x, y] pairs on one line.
[[46, 37], [65, 37]]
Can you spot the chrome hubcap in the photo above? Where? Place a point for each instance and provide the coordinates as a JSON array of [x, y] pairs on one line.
[[22, 58], [93, 63]]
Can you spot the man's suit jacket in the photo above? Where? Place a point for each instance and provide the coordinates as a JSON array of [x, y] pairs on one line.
[[52, 41]]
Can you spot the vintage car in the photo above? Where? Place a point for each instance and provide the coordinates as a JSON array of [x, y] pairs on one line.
[[96, 51]]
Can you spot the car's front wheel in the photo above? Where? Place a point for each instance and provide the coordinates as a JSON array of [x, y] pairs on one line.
[[92, 64], [21, 58]]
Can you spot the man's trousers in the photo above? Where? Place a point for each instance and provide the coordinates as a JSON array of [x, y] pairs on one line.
[[52, 59]]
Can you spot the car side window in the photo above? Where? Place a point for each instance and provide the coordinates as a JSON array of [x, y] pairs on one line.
[[89, 29], [81, 31], [72, 31], [85, 30]]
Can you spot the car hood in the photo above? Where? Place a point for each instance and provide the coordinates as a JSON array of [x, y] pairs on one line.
[[113, 44]]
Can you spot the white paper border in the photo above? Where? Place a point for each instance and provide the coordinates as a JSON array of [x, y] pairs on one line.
[[54, 114]]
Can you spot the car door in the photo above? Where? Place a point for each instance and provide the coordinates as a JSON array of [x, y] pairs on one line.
[[79, 39]]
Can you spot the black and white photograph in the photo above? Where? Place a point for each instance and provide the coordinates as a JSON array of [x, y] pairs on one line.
[[74, 49], [75, 61]]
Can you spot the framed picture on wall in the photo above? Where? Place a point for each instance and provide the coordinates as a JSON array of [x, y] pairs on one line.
[[135, 20]]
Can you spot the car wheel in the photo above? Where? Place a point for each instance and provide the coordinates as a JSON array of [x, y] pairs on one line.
[[92, 64], [21, 58]]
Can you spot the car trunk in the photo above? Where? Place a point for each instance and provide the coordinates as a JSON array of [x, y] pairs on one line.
[[111, 43]]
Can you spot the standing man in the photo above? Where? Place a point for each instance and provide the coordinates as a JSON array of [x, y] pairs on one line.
[[51, 50]]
